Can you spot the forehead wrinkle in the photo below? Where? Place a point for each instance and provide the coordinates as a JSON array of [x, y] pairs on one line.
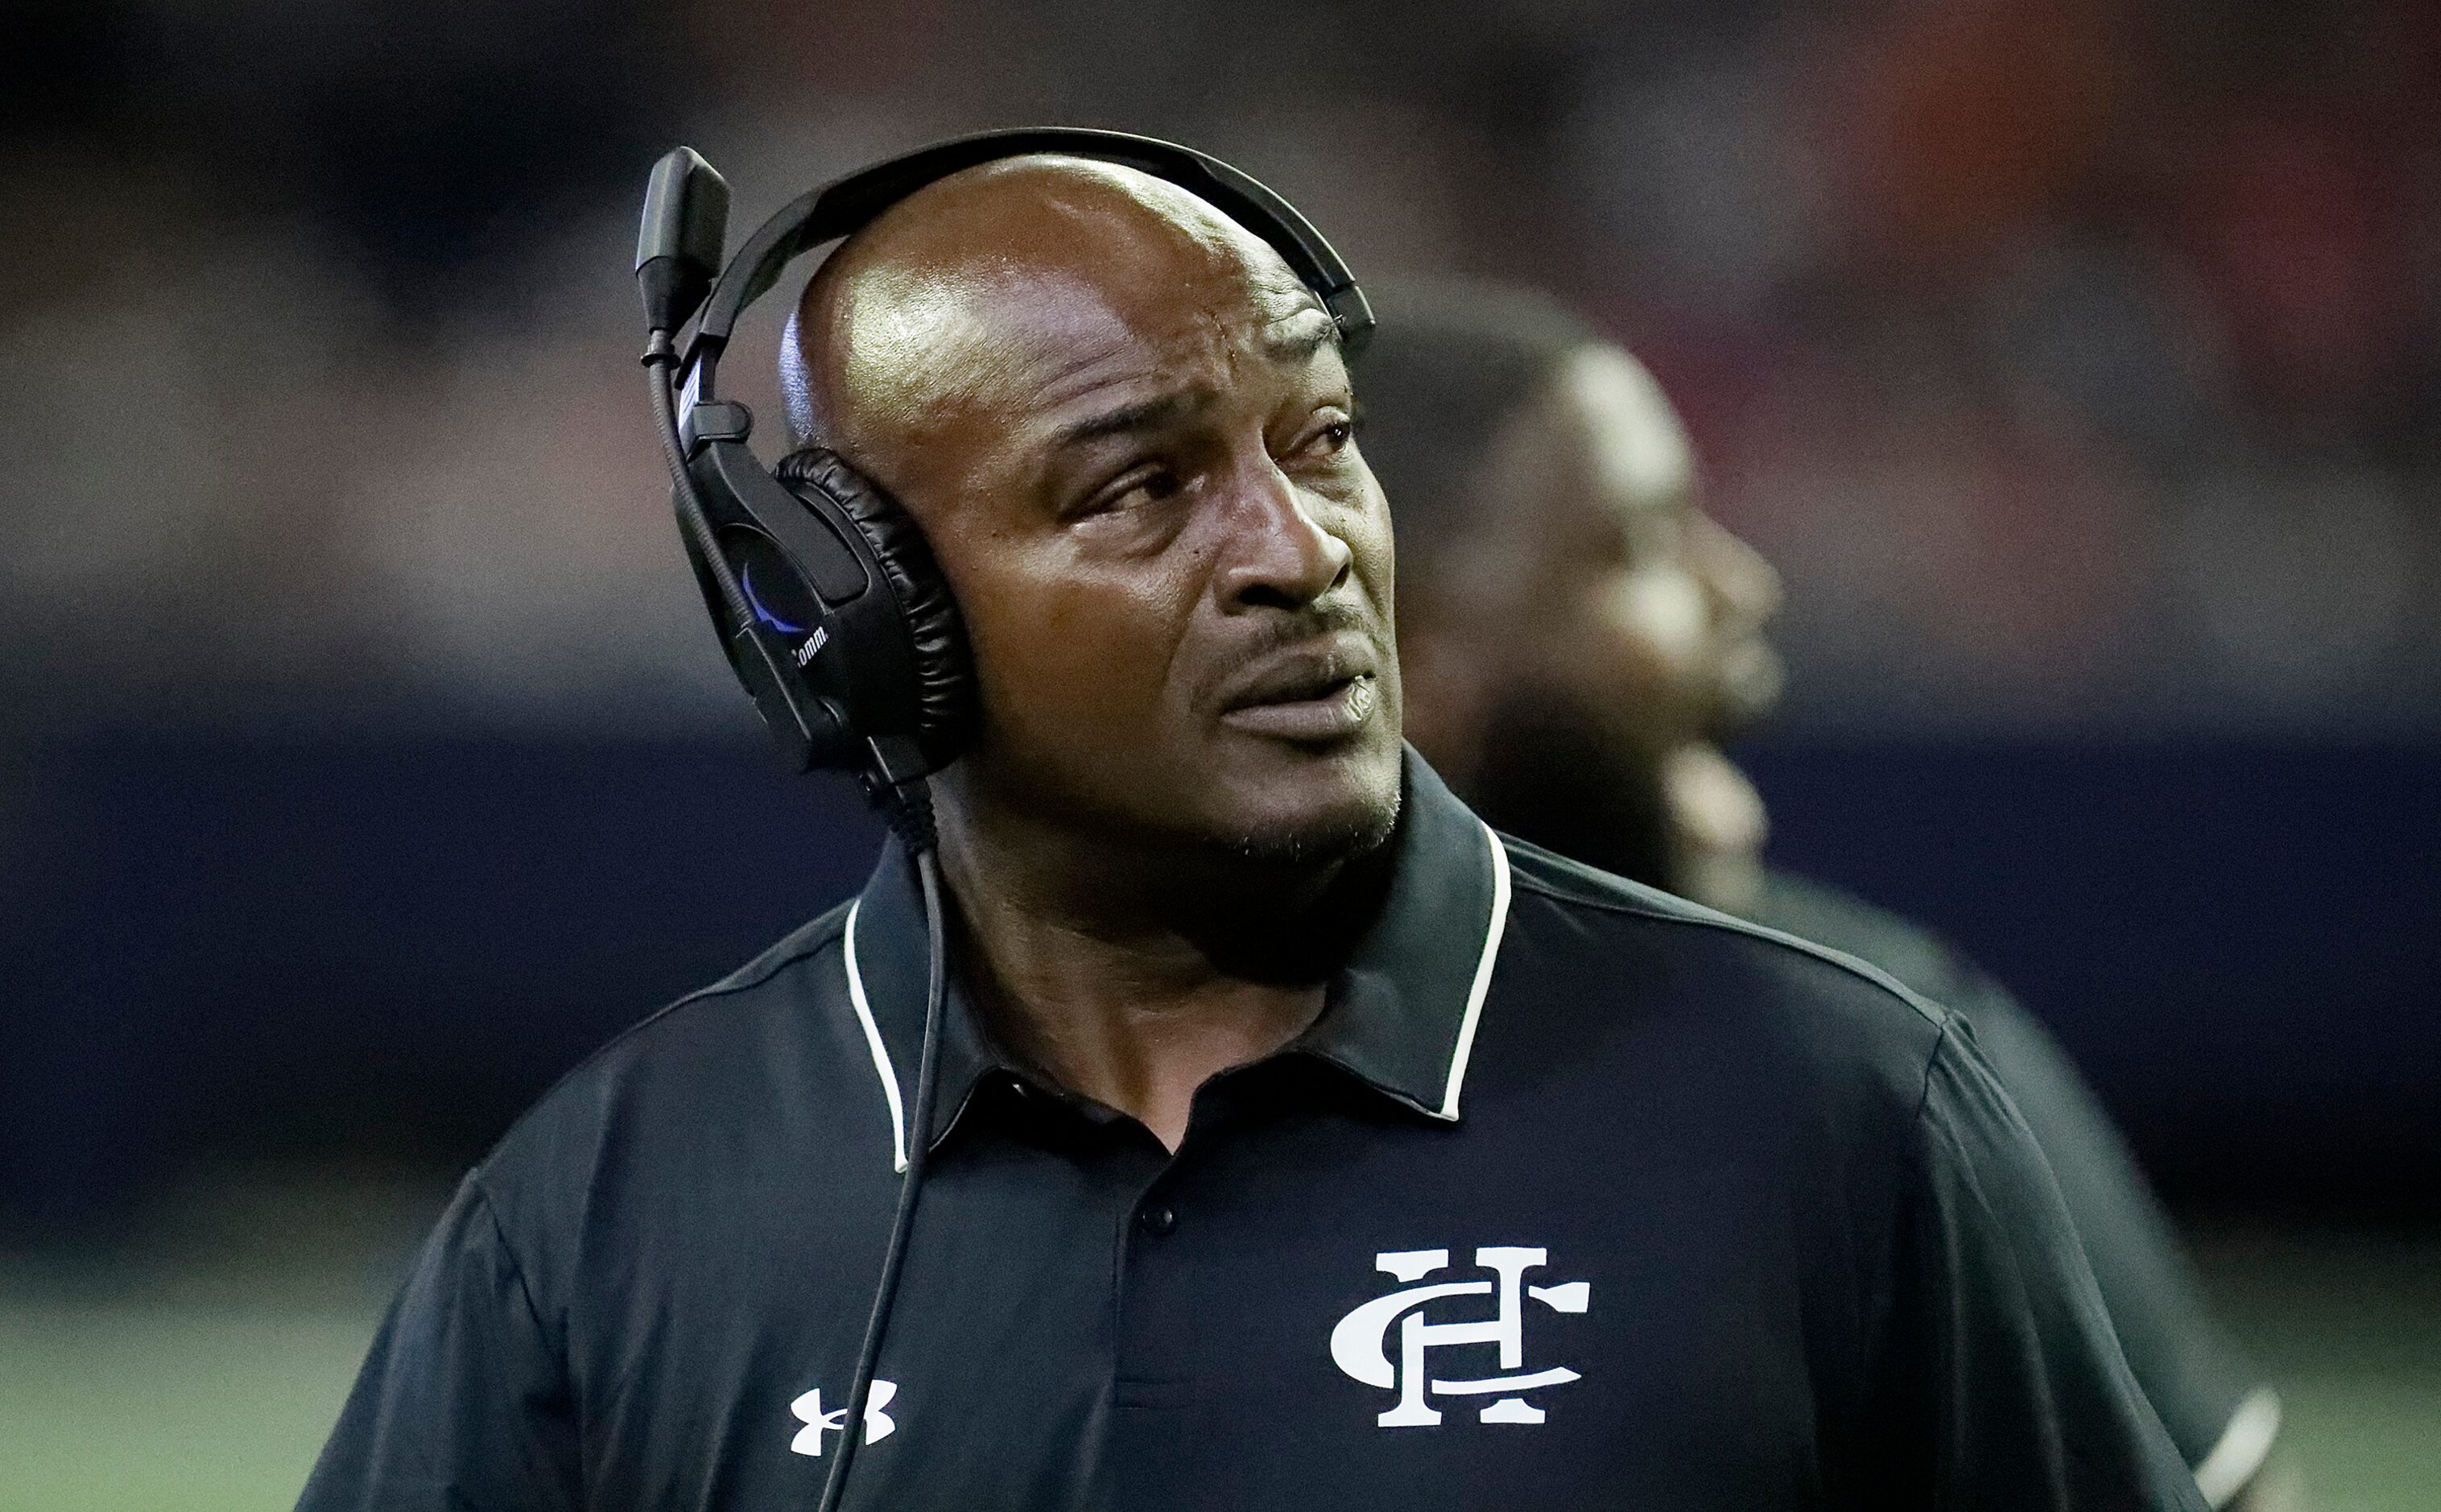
[[1051, 344], [1279, 293], [1031, 356], [941, 329], [1297, 335]]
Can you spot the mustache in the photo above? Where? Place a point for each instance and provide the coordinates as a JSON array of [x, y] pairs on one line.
[[1308, 622], [1300, 653]]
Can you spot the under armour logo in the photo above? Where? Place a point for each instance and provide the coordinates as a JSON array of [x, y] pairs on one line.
[[1358, 1343], [808, 1408]]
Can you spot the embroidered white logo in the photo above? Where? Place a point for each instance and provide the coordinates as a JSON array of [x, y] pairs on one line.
[[808, 1408], [1359, 1346]]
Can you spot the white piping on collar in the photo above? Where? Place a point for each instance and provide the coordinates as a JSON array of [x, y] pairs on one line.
[[873, 1042], [2245, 1444], [1494, 928]]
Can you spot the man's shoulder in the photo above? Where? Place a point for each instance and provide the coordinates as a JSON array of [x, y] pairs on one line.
[[1620, 947], [1828, 915], [730, 1014], [2021, 1051], [705, 1052], [1574, 889]]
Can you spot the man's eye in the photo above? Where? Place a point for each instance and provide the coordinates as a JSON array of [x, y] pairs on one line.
[[1330, 439], [1139, 486]]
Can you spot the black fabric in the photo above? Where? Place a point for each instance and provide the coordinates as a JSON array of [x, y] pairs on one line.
[[1783, 1244], [2192, 1373], [937, 635]]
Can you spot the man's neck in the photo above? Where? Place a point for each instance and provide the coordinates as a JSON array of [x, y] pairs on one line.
[[1130, 974]]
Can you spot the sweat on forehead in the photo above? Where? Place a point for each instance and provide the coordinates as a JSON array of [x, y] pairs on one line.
[[1000, 275]]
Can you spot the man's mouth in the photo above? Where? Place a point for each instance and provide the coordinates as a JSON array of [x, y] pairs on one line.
[[1315, 696]]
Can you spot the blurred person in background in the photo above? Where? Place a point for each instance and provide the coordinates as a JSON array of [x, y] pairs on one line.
[[1577, 636]]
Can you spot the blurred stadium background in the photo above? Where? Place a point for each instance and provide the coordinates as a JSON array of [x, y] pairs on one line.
[[363, 762]]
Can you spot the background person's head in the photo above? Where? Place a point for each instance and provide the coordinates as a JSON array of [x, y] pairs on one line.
[[1578, 634], [1123, 427]]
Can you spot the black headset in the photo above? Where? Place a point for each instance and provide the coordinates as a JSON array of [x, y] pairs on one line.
[[828, 602], [827, 597]]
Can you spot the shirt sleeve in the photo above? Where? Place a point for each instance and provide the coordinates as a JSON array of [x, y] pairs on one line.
[[2195, 1379], [2216, 1402], [462, 1404], [2001, 1384]]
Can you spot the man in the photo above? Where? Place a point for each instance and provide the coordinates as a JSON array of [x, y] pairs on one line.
[[1299, 1143], [1578, 634]]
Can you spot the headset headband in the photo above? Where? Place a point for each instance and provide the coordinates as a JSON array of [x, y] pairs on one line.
[[845, 206]]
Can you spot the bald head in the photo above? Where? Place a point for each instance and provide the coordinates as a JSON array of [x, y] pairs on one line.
[[1124, 428], [1003, 278]]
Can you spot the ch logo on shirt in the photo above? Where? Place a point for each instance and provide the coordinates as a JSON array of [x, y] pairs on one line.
[[1360, 1346], [808, 1408]]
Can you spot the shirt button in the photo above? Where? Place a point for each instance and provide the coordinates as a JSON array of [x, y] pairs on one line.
[[1159, 1219]]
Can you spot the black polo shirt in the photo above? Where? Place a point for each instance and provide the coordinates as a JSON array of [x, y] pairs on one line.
[[1576, 1195]]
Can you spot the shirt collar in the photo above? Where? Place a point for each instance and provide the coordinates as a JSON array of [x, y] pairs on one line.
[[1402, 1013], [1400, 1017]]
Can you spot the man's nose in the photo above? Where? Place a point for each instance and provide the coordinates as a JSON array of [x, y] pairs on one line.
[[1277, 554], [1744, 585]]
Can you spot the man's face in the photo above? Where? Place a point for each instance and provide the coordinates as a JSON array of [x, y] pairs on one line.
[[1174, 566], [1638, 604], [1614, 632]]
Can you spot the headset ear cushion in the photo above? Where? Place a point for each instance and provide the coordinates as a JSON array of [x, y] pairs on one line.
[[937, 635]]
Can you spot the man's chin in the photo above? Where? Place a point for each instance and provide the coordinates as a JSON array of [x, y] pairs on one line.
[[1238, 805], [1318, 840], [1309, 812]]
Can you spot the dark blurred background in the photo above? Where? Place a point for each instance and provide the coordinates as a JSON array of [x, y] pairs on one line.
[[363, 761]]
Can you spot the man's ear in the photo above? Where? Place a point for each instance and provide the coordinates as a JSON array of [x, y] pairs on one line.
[[1448, 689]]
